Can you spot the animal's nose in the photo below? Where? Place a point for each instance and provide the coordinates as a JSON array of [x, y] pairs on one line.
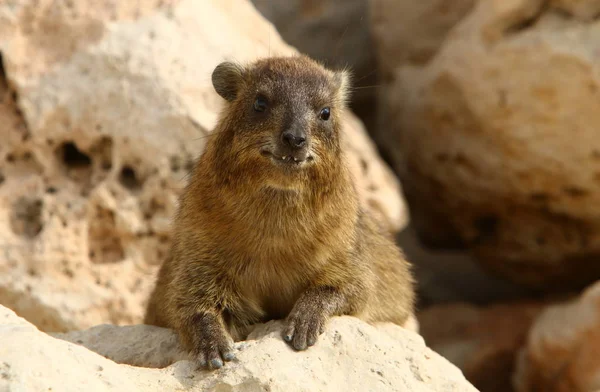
[[294, 140]]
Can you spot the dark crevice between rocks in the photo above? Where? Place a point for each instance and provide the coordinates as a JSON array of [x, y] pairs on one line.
[[486, 227], [566, 15], [522, 25], [453, 276], [434, 229], [527, 23]]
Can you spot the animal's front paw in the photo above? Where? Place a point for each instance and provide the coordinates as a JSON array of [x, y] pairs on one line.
[[304, 327], [211, 344]]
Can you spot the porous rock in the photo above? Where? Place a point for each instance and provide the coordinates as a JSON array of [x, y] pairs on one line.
[[350, 356], [104, 109], [31, 360]]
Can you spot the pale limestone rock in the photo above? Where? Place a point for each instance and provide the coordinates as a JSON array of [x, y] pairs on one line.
[[112, 103], [498, 145], [137, 345], [30, 360], [561, 353], [349, 356]]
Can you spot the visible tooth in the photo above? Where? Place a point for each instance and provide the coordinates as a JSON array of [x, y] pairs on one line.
[[283, 158], [295, 160]]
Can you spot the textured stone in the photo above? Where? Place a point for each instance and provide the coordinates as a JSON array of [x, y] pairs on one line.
[[562, 348], [106, 107], [498, 147], [350, 355], [482, 341], [136, 345], [30, 360]]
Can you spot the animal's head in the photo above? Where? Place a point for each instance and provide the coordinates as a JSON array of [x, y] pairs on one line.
[[283, 117]]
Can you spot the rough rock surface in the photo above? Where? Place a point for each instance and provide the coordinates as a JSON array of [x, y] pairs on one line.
[[30, 360], [338, 35], [103, 110], [562, 348], [498, 145], [350, 356], [481, 341]]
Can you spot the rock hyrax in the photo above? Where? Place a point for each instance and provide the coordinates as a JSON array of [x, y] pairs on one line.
[[269, 225]]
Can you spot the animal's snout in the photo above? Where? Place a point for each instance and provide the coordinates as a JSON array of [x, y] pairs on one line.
[[294, 138]]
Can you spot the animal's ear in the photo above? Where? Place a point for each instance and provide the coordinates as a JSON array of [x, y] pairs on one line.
[[227, 79], [342, 80]]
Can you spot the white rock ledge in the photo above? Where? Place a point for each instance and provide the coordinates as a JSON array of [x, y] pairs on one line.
[[349, 356]]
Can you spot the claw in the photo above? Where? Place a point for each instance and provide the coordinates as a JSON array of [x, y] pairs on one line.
[[229, 356], [216, 363]]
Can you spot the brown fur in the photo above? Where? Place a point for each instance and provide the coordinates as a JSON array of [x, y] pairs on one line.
[[256, 240]]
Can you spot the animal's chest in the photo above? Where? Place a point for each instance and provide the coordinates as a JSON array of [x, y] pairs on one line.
[[277, 298], [278, 257], [274, 281]]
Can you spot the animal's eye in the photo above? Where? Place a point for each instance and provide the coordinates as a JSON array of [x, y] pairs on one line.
[[325, 113], [260, 104]]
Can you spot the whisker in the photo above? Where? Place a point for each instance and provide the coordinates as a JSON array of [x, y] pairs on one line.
[[364, 87], [337, 46], [244, 149], [367, 75], [205, 136]]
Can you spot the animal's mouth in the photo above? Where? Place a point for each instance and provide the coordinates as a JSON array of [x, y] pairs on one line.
[[296, 158]]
